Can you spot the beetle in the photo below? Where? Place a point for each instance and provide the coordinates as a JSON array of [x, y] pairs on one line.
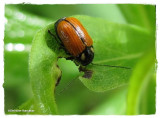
[[75, 40]]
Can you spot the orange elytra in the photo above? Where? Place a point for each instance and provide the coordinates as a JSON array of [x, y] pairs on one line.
[[75, 40]]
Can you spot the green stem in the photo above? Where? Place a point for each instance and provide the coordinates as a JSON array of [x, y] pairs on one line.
[[139, 81]]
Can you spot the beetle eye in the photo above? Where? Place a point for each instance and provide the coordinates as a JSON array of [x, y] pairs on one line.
[[83, 57], [92, 49]]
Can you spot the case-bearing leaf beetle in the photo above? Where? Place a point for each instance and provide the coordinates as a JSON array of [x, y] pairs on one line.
[[75, 39]]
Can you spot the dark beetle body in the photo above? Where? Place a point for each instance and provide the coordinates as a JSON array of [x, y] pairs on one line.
[[75, 39]]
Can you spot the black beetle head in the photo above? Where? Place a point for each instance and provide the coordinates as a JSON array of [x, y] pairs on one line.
[[86, 56]]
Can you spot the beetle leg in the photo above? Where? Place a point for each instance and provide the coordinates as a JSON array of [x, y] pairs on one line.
[[67, 52], [52, 34], [69, 58], [61, 47], [55, 38]]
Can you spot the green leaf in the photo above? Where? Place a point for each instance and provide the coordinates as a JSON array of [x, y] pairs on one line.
[[44, 72], [29, 106], [109, 106], [21, 26], [139, 80], [141, 15], [117, 45], [148, 99], [113, 45]]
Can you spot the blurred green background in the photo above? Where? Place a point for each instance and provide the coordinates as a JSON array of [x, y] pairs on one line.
[[24, 20]]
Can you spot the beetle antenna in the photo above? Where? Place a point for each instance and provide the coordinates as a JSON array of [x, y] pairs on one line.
[[55, 37], [51, 34], [111, 66], [67, 86]]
